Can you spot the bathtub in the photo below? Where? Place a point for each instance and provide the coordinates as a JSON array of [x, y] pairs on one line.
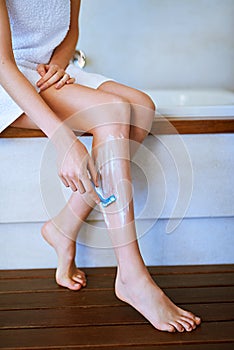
[[209, 103]]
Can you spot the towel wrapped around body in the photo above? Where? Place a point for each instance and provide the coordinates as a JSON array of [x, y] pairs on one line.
[[37, 28]]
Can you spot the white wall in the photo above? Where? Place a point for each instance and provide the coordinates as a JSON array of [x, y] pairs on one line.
[[160, 43]]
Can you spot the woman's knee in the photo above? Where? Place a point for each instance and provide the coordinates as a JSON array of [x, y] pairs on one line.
[[143, 115], [119, 119], [146, 101], [150, 103], [132, 95], [145, 107], [121, 110]]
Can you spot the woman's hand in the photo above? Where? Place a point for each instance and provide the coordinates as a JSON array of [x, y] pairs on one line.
[[77, 170], [52, 74]]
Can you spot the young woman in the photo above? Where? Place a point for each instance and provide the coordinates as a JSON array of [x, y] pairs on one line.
[[40, 89]]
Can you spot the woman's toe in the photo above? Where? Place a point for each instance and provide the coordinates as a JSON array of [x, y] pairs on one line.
[[197, 320], [69, 283], [178, 326], [169, 328], [189, 315], [81, 273], [186, 325], [74, 286], [79, 279]]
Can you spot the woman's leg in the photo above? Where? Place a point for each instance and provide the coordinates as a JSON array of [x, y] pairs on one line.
[[71, 218], [61, 232], [133, 283]]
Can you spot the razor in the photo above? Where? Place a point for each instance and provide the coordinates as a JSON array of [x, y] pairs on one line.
[[105, 201]]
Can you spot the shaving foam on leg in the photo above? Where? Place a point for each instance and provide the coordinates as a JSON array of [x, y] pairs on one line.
[[112, 161]]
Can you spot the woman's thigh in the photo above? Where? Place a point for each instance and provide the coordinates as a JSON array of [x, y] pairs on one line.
[[82, 108]]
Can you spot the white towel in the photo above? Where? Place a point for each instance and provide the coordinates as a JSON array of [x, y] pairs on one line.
[[37, 28]]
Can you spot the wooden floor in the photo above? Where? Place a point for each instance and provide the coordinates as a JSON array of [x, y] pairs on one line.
[[37, 314]]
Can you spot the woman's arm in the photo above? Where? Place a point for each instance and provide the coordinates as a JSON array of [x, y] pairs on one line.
[[24, 94], [17, 86], [64, 52], [53, 72]]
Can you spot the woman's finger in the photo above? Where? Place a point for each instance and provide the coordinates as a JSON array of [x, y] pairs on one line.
[[80, 186], [53, 80], [72, 185], [93, 172], [63, 81], [71, 81], [41, 69], [50, 73], [90, 189], [64, 181]]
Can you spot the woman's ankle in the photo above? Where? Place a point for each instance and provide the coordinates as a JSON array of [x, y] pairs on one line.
[[132, 273]]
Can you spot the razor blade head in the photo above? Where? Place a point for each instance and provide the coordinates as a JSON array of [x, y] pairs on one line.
[[108, 201], [105, 201]]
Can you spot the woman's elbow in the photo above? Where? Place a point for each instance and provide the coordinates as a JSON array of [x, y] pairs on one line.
[[6, 60]]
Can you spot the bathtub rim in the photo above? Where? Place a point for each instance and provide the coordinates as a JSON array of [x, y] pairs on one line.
[[220, 111]]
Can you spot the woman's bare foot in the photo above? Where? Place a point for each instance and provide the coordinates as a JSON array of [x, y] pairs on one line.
[[67, 274], [147, 298]]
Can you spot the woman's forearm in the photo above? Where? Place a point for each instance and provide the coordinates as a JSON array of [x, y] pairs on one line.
[[25, 95], [64, 52]]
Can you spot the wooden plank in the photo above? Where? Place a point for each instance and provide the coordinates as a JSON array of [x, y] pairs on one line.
[[37, 314], [213, 346], [165, 125], [108, 315], [12, 132], [219, 332], [201, 295], [88, 298], [107, 282], [184, 125], [155, 270]]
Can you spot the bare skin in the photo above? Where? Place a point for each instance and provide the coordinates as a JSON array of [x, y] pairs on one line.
[[132, 273], [154, 305], [67, 274]]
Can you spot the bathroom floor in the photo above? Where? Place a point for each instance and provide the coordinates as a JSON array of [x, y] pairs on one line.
[[37, 314]]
